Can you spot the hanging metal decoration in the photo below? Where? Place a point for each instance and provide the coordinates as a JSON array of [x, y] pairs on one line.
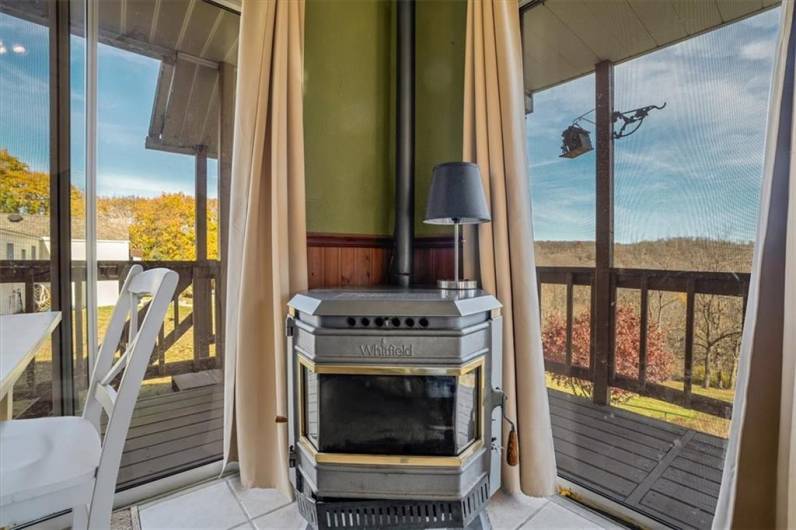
[[575, 140]]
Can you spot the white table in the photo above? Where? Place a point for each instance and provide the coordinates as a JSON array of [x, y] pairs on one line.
[[21, 336]]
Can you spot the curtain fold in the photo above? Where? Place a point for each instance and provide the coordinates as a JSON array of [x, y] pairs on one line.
[[758, 488], [501, 252], [266, 260]]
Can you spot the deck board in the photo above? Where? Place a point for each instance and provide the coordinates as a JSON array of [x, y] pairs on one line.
[[662, 470], [172, 432]]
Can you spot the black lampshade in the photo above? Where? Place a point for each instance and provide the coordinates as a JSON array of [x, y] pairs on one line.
[[456, 195]]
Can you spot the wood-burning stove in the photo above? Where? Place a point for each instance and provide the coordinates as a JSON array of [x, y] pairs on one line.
[[395, 409]]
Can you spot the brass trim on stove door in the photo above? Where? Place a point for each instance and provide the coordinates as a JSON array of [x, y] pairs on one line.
[[392, 460]]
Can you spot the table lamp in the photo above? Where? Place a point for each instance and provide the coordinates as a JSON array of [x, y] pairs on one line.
[[456, 197]]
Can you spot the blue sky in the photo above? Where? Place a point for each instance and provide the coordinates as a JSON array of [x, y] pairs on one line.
[[126, 88], [692, 170]]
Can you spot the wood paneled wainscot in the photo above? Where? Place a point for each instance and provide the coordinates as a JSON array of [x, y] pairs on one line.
[[348, 260]]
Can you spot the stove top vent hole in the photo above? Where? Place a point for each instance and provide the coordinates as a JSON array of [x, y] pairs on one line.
[[410, 322], [396, 322], [365, 321], [351, 321], [423, 322], [379, 321]]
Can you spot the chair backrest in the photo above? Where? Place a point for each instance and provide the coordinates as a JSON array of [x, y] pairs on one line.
[[159, 284]]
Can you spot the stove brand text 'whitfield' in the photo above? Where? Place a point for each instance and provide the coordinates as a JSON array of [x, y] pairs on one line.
[[382, 349]]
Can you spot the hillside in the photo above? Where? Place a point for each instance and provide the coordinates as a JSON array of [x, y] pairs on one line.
[[670, 254]]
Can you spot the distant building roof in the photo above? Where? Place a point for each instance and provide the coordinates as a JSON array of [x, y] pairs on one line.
[[115, 229]]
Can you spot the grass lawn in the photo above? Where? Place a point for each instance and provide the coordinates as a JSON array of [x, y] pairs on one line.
[[723, 394], [661, 410]]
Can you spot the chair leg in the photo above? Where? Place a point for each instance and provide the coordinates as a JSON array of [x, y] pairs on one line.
[[80, 517]]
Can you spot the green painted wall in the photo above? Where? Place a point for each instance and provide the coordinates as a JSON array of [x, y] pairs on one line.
[[349, 102], [439, 68], [348, 116]]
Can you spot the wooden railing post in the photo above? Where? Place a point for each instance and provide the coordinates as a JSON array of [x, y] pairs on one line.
[[689, 341], [642, 332], [201, 315], [80, 369], [604, 238], [569, 309]]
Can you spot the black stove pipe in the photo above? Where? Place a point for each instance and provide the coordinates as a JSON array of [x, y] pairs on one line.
[[404, 236]]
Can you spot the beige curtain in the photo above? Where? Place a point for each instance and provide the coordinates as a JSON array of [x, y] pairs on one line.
[[501, 252], [758, 488], [267, 257]]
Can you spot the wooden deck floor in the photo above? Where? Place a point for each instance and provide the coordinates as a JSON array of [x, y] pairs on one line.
[[171, 433], [662, 470]]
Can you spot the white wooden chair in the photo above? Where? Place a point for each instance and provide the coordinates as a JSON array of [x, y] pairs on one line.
[[49, 465]]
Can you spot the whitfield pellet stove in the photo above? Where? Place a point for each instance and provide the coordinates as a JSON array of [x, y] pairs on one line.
[[396, 411]]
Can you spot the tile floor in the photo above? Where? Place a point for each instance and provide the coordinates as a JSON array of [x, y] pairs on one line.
[[223, 504]]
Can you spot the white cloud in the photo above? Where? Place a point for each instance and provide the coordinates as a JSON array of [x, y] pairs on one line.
[[119, 185], [758, 50]]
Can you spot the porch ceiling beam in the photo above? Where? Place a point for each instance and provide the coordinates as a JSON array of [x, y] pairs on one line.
[[155, 16], [564, 39]]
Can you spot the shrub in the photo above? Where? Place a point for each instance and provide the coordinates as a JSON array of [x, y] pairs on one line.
[[626, 353]]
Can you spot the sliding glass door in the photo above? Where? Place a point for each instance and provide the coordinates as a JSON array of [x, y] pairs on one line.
[[42, 192], [115, 148], [645, 142], [165, 78]]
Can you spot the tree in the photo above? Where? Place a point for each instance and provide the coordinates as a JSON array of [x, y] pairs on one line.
[[28, 192], [163, 227], [626, 353]]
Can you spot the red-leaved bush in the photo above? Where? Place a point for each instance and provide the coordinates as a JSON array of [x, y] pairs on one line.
[[659, 358]]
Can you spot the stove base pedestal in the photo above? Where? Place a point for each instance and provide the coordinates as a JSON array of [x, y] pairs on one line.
[[481, 522], [397, 514]]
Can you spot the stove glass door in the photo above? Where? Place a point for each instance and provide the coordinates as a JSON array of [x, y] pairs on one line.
[[374, 414]]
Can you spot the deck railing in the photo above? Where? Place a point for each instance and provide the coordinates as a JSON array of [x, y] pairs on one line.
[[688, 283], [198, 280]]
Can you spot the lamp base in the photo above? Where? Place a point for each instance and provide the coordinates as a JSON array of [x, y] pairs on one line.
[[457, 285]]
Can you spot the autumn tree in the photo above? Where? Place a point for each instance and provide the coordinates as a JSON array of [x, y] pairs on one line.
[[626, 353], [28, 192], [163, 228]]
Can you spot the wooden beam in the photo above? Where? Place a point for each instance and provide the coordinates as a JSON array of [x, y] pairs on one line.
[[201, 203], [201, 282], [153, 28], [604, 237], [212, 33], [184, 26]]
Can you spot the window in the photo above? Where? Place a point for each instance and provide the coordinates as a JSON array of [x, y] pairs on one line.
[[9, 250], [654, 293], [32, 252], [23, 254]]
